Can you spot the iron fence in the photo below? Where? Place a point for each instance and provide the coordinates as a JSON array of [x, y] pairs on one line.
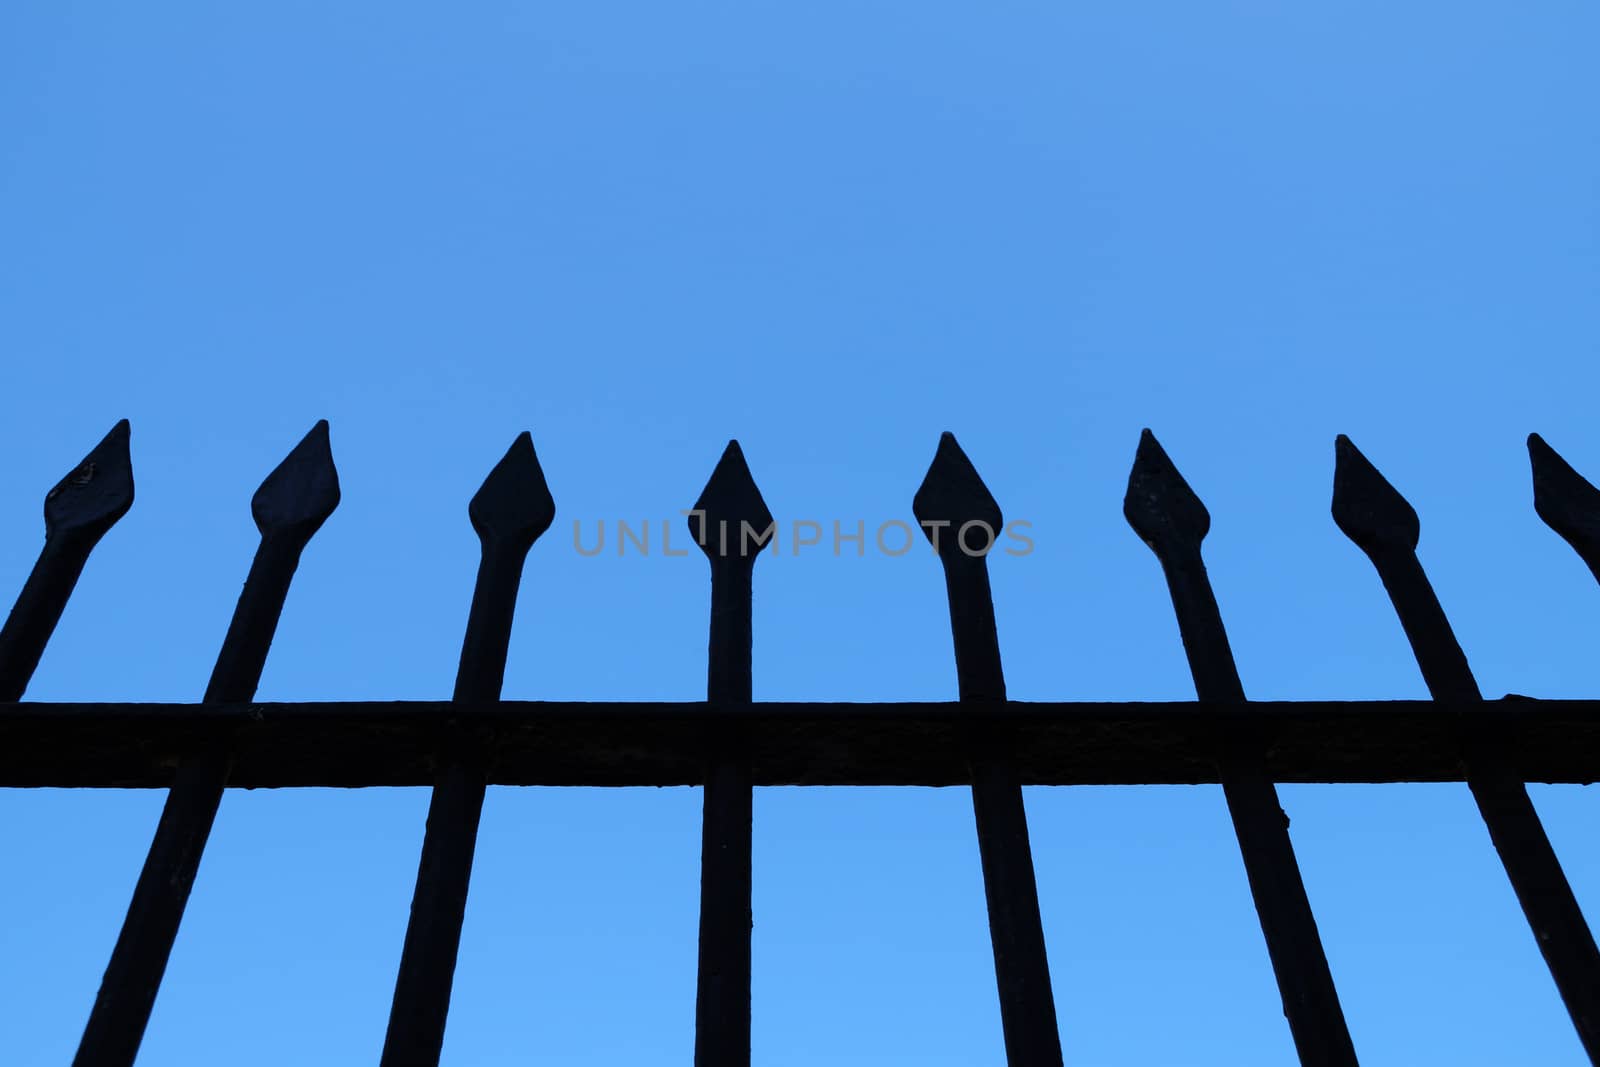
[[729, 745]]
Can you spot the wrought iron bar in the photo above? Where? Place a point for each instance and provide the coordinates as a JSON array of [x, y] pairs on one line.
[[571, 743], [732, 525], [1374, 515], [509, 512], [1172, 520], [962, 521], [1566, 501], [288, 509], [77, 513]]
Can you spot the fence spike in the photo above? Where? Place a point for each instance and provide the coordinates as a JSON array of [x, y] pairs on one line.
[[730, 502], [514, 505], [1374, 515], [1171, 519], [1160, 506], [288, 508], [952, 499], [302, 490], [77, 513], [509, 513], [1566, 501], [1369, 510], [952, 494], [97, 492]]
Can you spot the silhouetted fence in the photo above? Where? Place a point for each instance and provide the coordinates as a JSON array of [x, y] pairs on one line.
[[729, 745]]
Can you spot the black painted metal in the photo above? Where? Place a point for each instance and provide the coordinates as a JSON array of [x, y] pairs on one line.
[[729, 745], [77, 513], [962, 521], [1374, 515], [288, 509], [384, 743], [509, 512], [732, 525], [1566, 501], [1173, 521]]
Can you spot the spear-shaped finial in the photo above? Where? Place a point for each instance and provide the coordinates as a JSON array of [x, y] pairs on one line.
[[952, 500], [1369, 510], [1566, 501], [97, 493], [1159, 505], [1167, 515], [77, 513], [513, 506], [1374, 515], [731, 520], [288, 508], [301, 492]]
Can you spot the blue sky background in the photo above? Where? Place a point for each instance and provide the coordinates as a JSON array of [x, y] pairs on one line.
[[831, 230]]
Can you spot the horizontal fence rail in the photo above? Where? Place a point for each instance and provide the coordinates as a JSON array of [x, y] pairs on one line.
[[352, 745], [729, 745]]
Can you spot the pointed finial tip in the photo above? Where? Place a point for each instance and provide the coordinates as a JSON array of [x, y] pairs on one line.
[[302, 491], [954, 495], [731, 518], [1567, 502], [514, 505], [1544, 460], [1543, 457], [1366, 507], [1159, 504], [97, 492], [522, 448]]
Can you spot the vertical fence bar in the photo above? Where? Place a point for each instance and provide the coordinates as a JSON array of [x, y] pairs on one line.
[[1566, 501], [77, 513], [961, 519], [1374, 515], [732, 525], [1172, 520], [291, 505], [509, 513]]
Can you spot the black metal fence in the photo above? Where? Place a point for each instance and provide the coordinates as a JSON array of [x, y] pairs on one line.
[[729, 745]]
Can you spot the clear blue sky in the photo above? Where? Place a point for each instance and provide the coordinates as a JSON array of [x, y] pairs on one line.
[[832, 231]]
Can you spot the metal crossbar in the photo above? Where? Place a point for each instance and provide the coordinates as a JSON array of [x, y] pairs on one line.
[[729, 745]]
